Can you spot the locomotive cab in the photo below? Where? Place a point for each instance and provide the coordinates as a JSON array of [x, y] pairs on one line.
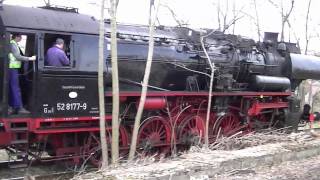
[[49, 91]]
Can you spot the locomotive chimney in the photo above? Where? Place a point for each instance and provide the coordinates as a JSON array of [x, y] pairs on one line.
[[270, 37]]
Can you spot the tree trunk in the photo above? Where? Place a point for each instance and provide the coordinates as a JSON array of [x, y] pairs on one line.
[[152, 19], [310, 93], [302, 91], [209, 109], [212, 66], [104, 146], [282, 22], [115, 84]]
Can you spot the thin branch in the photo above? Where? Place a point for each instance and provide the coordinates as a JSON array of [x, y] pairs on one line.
[[226, 26], [294, 34], [174, 15], [225, 16], [218, 12], [183, 67], [234, 15], [274, 4], [257, 19], [285, 18], [307, 26], [47, 2], [233, 21]]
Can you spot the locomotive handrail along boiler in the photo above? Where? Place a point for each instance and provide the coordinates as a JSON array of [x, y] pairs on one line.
[[253, 85]]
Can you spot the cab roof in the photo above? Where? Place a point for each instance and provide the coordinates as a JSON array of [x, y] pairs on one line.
[[47, 19]]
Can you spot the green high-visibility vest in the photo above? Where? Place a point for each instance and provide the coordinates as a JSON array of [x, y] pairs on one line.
[[13, 62]]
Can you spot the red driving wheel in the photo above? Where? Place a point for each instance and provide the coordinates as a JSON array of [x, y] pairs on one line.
[[92, 147], [227, 125], [191, 129], [154, 135]]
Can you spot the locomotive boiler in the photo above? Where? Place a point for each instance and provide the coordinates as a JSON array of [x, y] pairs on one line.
[[240, 63], [253, 85]]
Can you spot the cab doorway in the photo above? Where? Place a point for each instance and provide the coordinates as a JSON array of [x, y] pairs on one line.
[[21, 77]]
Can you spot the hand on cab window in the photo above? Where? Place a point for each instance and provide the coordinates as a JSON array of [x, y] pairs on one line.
[[32, 58]]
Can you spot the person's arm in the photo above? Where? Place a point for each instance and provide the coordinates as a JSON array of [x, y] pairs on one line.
[[16, 53], [64, 59]]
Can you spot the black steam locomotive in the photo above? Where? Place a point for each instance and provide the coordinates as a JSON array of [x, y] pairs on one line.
[[241, 63], [253, 85]]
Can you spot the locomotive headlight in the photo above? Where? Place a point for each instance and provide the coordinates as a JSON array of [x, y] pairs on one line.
[[73, 94]]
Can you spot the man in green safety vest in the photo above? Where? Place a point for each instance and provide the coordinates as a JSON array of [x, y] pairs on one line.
[[15, 58]]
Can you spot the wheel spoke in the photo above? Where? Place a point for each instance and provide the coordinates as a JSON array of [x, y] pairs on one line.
[[154, 126], [162, 134], [190, 125], [159, 128]]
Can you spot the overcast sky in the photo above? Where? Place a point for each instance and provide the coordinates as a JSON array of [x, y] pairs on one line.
[[203, 14]]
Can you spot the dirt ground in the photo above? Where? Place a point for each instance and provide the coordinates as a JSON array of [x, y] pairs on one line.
[[308, 169]]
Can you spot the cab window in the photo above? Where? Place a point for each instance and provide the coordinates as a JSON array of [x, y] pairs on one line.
[[57, 51]]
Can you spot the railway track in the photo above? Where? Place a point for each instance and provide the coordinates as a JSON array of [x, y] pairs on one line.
[[43, 171], [59, 175]]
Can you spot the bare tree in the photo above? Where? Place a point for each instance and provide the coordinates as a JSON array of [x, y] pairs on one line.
[[152, 20], [234, 15], [225, 15], [218, 15], [303, 88], [212, 66], [115, 83], [257, 19], [232, 22], [285, 18], [226, 26], [224, 22], [104, 146], [294, 34], [47, 2], [307, 28], [180, 22]]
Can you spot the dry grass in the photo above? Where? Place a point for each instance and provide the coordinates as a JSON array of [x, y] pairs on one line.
[[144, 166], [239, 141]]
